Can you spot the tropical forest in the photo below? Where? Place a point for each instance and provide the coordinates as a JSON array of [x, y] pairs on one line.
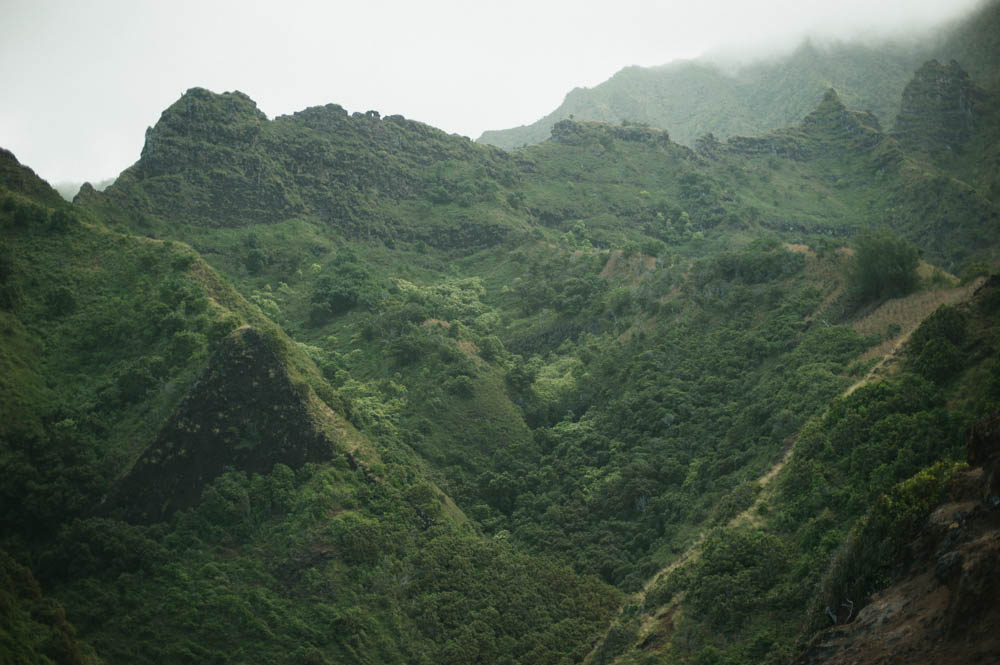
[[703, 368]]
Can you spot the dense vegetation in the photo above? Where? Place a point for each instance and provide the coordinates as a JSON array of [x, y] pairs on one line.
[[332, 388]]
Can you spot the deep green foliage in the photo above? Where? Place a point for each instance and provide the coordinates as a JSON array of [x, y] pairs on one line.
[[449, 398], [34, 628], [870, 556], [733, 575], [936, 348], [341, 286], [883, 266]]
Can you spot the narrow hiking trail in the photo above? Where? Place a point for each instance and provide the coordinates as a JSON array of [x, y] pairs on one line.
[[907, 312]]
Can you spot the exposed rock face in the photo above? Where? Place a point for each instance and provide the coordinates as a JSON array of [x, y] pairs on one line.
[[944, 609], [831, 126], [243, 414], [940, 108], [216, 160], [204, 160]]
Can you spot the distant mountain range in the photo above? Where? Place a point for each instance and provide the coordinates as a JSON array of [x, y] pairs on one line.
[[690, 98], [344, 388]]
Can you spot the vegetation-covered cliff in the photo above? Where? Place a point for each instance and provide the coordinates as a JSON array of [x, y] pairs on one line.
[[343, 388], [697, 97]]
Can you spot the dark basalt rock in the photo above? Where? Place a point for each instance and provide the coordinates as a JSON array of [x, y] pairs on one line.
[[831, 126], [940, 108], [942, 607], [244, 414]]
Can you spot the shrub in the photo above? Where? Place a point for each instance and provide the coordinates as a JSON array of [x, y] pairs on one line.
[[883, 266]]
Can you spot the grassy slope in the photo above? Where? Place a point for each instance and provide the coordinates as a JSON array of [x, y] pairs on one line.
[[610, 338], [352, 559]]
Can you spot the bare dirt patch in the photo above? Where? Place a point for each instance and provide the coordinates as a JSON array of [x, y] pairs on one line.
[[799, 248]]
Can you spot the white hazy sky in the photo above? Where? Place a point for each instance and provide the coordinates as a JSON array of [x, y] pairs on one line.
[[80, 80]]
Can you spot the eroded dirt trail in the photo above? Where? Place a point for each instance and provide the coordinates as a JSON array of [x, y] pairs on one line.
[[908, 313]]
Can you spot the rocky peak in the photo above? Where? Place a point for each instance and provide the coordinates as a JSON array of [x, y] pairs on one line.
[[200, 129], [86, 195], [244, 413], [939, 109], [229, 118], [832, 117], [830, 127]]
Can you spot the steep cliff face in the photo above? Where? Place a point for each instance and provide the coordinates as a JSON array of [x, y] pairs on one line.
[[829, 129], [943, 608], [690, 98], [245, 414], [215, 160], [204, 161], [940, 109]]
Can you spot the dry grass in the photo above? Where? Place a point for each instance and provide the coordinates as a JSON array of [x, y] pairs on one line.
[[799, 249], [908, 313], [435, 323], [623, 268]]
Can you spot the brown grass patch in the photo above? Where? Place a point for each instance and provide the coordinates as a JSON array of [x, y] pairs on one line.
[[440, 323], [623, 268], [611, 266], [799, 249], [470, 350], [908, 313]]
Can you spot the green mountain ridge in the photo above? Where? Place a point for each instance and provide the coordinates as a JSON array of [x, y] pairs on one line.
[[292, 519], [697, 97], [344, 388]]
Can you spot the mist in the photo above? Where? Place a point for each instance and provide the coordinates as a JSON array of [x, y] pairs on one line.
[[923, 24], [83, 81], [69, 190]]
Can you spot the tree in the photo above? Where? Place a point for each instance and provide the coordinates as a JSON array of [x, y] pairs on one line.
[[884, 265]]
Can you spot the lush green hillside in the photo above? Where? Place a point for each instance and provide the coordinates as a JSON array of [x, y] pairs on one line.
[[833, 527], [332, 388], [697, 97], [693, 98], [261, 525]]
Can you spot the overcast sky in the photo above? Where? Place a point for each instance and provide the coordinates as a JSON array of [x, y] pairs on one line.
[[81, 80]]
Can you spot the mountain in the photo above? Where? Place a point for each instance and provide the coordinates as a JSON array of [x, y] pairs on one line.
[[175, 461], [344, 388], [692, 98], [217, 161]]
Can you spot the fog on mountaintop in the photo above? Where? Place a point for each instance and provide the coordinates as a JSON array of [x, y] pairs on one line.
[[82, 83], [900, 25]]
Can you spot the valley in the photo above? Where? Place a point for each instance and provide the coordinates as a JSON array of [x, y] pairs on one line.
[[345, 388]]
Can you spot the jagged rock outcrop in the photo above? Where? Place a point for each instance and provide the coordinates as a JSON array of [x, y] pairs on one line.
[[944, 608], [245, 414], [940, 108], [830, 126], [572, 132], [204, 162], [215, 160]]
